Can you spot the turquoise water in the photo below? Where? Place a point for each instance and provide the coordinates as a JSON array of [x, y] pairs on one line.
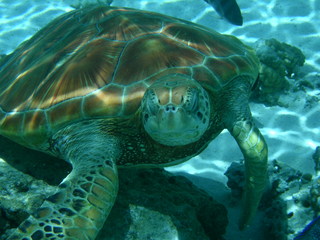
[[292, 133]]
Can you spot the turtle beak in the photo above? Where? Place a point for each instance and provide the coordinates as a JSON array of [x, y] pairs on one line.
[[171, 118]]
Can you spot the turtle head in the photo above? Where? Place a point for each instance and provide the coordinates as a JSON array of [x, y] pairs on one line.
[[175, 110]]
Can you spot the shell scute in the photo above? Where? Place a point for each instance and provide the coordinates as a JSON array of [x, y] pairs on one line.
[[132, 97], [181, 70], [66, 111], [80, 74], [203, 40], [190, 36], [207, 78], [104, 102], [11, 121], [98, 62], [96, 15], [34, 119], [244, 65], [59, 38], [36, 73], [155, 53], [34, 127], [128, 27], [224, 69]]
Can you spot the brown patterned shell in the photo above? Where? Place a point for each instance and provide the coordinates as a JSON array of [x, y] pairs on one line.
[[97, 63]]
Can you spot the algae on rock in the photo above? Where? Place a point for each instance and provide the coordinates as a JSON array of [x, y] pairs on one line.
[[279, 63]]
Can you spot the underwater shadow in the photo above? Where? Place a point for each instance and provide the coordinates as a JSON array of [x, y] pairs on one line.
[[165, 206], [148, 199], [34, 163]]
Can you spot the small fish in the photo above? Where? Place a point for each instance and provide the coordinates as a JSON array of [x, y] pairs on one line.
[[311, 231], [227, 9]]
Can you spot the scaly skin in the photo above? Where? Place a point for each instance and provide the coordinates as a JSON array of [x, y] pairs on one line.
[[255, 151], [85, 197], [237, 118]]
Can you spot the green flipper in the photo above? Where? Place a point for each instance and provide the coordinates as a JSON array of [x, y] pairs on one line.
[[237, 118], [255, 152], [85, 197]]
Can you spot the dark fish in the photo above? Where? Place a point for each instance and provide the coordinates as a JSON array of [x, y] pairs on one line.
[[311, 231], [227, 9]]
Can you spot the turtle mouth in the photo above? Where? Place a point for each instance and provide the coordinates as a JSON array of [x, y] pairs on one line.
[[173, 128], [175, 138]]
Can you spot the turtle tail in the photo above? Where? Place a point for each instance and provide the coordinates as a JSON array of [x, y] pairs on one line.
[[78, 210]]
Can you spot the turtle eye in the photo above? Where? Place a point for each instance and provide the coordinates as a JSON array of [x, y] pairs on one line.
[[191, 99], [152, 103], [146, 117]]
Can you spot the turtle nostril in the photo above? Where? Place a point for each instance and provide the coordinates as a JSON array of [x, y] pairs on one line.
[[170, 108]]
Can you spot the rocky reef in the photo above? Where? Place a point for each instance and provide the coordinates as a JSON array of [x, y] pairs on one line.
[[155, 204], [291, 200], [151, 204], [316, 159], [280, 70]]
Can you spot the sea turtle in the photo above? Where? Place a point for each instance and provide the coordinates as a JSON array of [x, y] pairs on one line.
[[102, 87]]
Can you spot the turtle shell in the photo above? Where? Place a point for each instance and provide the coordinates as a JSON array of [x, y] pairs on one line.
[[97, 62]]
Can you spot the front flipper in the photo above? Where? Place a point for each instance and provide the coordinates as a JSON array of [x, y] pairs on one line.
[[85, 197], [236, 115], [78, 210], [255, 152]]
